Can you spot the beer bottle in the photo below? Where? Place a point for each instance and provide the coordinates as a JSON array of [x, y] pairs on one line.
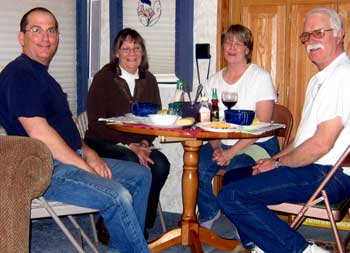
[[214, 105]]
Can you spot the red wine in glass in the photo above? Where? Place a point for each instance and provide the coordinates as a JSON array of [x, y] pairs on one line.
[[229, 104], [229, 99]]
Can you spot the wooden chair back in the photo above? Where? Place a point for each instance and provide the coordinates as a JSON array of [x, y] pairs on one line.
[[282, 115]]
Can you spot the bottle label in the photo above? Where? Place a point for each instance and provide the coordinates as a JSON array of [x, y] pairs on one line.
[[204, 116], [215, 115]]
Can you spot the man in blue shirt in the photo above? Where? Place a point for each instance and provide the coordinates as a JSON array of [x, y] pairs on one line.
[[33, 104]]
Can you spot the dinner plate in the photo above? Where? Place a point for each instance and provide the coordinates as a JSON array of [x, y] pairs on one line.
[[206, 126]]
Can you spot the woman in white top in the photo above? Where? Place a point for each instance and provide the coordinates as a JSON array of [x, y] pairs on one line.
[[255, 92]]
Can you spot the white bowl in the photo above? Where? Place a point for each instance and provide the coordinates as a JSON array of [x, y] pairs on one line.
[[163, 119]]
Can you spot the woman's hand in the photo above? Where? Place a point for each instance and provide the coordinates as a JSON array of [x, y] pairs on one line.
[[222, 157], [142, 151], [263, 165]]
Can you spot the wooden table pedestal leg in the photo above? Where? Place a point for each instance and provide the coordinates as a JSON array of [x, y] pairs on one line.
[[190, 233]]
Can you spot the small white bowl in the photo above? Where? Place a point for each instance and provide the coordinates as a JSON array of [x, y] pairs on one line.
[[163, 119]]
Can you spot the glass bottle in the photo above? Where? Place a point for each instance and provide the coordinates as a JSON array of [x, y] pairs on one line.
[[214, 105], [179, 94], [204, 111]]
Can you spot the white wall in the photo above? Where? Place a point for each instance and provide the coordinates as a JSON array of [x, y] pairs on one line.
[[205, 23]]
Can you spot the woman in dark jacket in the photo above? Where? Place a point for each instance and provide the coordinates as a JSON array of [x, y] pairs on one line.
[[115, 87]]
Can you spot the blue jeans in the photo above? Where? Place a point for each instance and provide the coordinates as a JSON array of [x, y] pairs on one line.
[[244, 201], [207, 203], [122, 200]]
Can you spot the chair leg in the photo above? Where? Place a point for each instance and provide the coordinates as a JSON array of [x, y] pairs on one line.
[[347, 239], [58, 221], [160, 212], [93, 227], [83, 234], [217, 184], [333, 224]]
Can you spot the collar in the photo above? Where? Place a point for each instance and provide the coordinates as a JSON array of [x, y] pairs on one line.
[[324, 73], [128, 76], [35, 63]]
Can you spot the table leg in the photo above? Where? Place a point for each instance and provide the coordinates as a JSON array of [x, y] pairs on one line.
[[190, 233]]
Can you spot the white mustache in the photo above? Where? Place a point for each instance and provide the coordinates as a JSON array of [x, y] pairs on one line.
[[313, 47]]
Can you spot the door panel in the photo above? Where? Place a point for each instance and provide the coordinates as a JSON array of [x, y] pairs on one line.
[[268, 25]]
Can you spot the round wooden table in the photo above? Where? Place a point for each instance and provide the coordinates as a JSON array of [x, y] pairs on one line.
[[189, 232]]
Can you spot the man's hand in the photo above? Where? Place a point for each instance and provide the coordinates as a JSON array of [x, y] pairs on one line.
[[263, 165], [98, 165], [95, 163]]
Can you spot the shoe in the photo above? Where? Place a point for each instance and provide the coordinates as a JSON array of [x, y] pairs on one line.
[[313, 248], [209, 224], [102, 232], [256, 249]]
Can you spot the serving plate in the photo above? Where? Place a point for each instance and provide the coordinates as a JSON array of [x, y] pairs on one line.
[[174, 126]]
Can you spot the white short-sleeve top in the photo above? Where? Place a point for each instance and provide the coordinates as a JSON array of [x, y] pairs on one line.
[[254, 85], [327, 97]]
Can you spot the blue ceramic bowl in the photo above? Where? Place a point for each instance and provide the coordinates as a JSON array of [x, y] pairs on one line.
[[239, 117], [144, 109]]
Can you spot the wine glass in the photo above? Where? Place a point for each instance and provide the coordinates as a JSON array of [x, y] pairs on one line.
[[229, 99]]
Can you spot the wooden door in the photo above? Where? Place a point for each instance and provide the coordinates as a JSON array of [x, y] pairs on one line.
[[268, 25]]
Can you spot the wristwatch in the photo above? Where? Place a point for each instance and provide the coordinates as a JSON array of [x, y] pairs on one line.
[[277, 163]]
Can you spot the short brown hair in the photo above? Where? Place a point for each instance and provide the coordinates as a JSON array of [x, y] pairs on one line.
[[243, 34]]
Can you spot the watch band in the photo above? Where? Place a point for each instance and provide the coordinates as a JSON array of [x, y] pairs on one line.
[[277, 163]]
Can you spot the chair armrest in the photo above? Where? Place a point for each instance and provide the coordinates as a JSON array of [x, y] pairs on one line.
[[25, 171]]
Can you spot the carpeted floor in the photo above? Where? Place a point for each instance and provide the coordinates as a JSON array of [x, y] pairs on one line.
[[47, 237]]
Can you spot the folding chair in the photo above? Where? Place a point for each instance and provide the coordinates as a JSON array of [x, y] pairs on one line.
[[40, 208], [315, 209], [82, 124], [281, 115]]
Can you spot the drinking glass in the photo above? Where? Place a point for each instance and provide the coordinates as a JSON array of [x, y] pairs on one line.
[[229, 99]]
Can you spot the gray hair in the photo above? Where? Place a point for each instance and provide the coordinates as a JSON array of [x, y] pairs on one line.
[[334, 18]]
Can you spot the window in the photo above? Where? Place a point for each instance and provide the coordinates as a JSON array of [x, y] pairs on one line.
[[156, 24], [182, 57], [63, 65]]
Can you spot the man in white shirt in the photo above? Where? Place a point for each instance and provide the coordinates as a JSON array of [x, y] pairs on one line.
[[293, 174]]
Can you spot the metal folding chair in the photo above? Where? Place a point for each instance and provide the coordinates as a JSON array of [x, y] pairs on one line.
[[40, 208], [318, 206]]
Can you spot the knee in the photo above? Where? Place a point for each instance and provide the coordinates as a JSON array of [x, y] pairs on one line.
[[145, 176], [227, 197], [161, 167], [119, 196]]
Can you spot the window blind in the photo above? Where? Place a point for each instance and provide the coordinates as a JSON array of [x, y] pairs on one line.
[[63, 65], [159, 38]]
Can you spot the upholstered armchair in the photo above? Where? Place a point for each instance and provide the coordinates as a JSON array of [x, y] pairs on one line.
[[25, 171]]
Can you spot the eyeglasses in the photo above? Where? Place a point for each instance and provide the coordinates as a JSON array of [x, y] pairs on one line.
[[232, 43], [128, 50], [38, 31], [318, 34]]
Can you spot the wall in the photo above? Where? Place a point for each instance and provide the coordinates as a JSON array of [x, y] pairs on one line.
[[205, 20], [205, 23]]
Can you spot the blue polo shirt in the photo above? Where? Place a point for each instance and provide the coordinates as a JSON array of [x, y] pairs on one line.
[[28, 90]]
